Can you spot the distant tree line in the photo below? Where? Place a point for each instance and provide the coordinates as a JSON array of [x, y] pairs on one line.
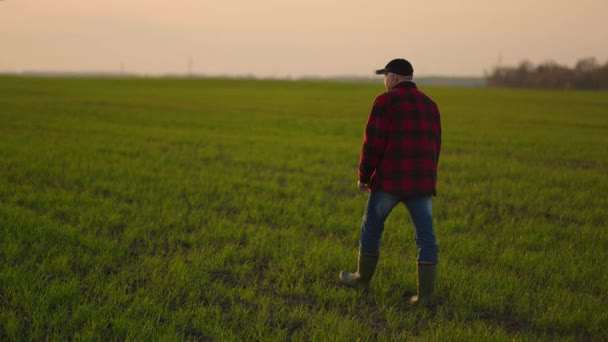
[[586, 74]]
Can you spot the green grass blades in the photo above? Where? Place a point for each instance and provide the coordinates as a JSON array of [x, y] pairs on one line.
[[192, 209]]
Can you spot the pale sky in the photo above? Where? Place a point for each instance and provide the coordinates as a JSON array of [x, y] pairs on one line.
[[280, 38]]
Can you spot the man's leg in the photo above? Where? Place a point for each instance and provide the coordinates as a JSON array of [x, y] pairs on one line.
[[379, 206], [421, 213]]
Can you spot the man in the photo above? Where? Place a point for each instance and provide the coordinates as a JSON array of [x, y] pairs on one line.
[[398, 163]]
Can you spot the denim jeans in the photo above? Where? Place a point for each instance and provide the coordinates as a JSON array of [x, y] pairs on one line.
[[379, 206]]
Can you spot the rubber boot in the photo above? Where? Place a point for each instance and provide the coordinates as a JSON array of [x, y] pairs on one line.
[[365, 271], [425, 285]]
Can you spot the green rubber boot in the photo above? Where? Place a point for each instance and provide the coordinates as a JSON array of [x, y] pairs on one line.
[[365, 271], [425, 285]]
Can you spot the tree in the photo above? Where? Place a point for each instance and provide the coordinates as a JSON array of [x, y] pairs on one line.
[[586, 74]]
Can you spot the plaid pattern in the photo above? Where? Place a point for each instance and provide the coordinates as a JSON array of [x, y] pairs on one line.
[[401, 144]]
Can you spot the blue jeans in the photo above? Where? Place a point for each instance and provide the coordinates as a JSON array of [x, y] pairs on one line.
[[379, 206]]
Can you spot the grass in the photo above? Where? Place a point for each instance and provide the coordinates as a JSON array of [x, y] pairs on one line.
[[179, 209]]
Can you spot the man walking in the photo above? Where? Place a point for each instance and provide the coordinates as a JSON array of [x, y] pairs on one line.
[[398, 163]]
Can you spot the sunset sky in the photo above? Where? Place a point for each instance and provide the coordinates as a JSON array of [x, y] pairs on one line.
[[296, 38]]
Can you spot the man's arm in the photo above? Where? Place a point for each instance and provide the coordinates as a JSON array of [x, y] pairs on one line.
[[374, 141], [438, 134]]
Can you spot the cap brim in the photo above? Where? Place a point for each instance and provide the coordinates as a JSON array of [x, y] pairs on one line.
[[381, 72]]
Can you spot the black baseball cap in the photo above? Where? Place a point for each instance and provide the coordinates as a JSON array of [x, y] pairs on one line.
[[397, 66]]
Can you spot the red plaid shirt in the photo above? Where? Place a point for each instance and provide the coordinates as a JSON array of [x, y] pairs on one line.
[[401, 144]]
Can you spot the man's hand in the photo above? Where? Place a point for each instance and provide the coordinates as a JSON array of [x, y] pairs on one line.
[[363, 186]]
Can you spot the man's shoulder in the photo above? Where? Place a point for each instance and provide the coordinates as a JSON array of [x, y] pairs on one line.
[[407, 94], [419, 96], [401, 95], [427, 99], [391, 95], [382, 99]]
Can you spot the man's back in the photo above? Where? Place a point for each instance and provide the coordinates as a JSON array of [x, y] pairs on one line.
[[402, 143]]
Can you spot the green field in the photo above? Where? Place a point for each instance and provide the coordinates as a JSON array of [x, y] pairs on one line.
[[191, 209]]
